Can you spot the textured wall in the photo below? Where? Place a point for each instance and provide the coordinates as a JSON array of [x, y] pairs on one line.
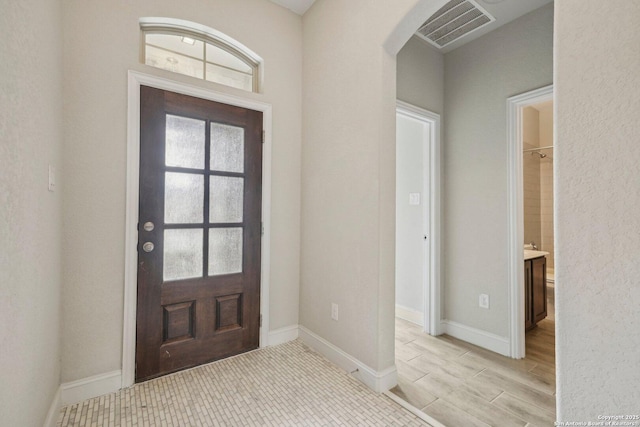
[[30, 215], [479, 77], [597, 59], [420, 75], [102, 45], [348, 164]]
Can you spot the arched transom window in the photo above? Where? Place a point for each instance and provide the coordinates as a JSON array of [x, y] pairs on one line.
[[195, 50]]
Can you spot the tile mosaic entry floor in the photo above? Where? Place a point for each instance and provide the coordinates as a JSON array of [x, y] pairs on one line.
[[285, 385]]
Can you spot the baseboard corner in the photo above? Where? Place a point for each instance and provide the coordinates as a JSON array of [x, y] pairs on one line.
[[410, 315], [378, 381], [283, 335], [475, 336], [87, 388], [54, 409]]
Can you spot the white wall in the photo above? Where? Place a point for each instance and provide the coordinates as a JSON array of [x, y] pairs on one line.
[[479, 77], [30, 215], [101, 44], [420, 75], [411, 136], [597, 202]]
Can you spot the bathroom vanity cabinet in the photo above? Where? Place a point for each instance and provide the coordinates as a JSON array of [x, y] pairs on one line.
[[535, 282]]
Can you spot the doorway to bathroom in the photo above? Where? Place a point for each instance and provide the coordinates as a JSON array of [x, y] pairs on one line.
[[532, 311]]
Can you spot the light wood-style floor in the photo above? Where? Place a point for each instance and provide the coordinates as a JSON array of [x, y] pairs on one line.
[[460, 384]]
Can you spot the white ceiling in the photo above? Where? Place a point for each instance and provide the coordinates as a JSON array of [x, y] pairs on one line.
[[503, 11], [297, 6]]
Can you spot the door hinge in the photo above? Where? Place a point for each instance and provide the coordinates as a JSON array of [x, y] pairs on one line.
[[261, 320], [264, 136]]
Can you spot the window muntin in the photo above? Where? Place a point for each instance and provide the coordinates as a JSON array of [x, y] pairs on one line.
[[198, 55]]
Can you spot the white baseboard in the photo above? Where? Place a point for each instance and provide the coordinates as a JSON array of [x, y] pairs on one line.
[[475, 336], [379, 381], [54, 410], [283, 335], [410, 315], [87, 388]]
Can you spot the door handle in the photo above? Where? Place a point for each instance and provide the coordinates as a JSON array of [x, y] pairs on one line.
[[147, 246]]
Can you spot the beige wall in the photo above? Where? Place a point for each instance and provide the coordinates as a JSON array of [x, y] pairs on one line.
[[101, 45], [596, 206], [597, 223], [420, 75], [30, 215], [348, 179], [479, 77]]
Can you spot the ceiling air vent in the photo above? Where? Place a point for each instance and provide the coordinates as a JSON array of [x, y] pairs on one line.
[[454, 20]]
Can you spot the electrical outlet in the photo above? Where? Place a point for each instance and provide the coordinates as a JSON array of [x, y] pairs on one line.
[[334, 311], [483, 301]]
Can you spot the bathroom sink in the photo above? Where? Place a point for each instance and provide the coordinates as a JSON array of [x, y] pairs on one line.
[[530, 254]]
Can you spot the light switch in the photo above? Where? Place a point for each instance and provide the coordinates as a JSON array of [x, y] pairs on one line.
[[414, 199], [52, 178]]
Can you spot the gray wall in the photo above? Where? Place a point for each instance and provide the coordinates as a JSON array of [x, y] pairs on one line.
[[420, 75], [479, 77], [598, 198], [30, 215]]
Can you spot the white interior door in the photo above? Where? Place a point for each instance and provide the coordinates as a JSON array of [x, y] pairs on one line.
[[413, 140]]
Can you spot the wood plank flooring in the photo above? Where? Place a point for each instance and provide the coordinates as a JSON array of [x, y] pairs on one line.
[[460, 384]]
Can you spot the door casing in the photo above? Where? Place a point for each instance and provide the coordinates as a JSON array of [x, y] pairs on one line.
[[135, 80]]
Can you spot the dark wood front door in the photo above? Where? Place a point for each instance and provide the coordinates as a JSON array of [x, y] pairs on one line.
[[199, 232]]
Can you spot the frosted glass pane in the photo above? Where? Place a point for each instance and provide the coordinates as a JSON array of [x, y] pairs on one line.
[[226, 199], [183, 198], [182, 254], [225, 251], [184, 142], [227, 148]]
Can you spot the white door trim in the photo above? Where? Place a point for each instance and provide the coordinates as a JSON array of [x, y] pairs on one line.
[[515, 105], [135, 80], [431, 291]]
